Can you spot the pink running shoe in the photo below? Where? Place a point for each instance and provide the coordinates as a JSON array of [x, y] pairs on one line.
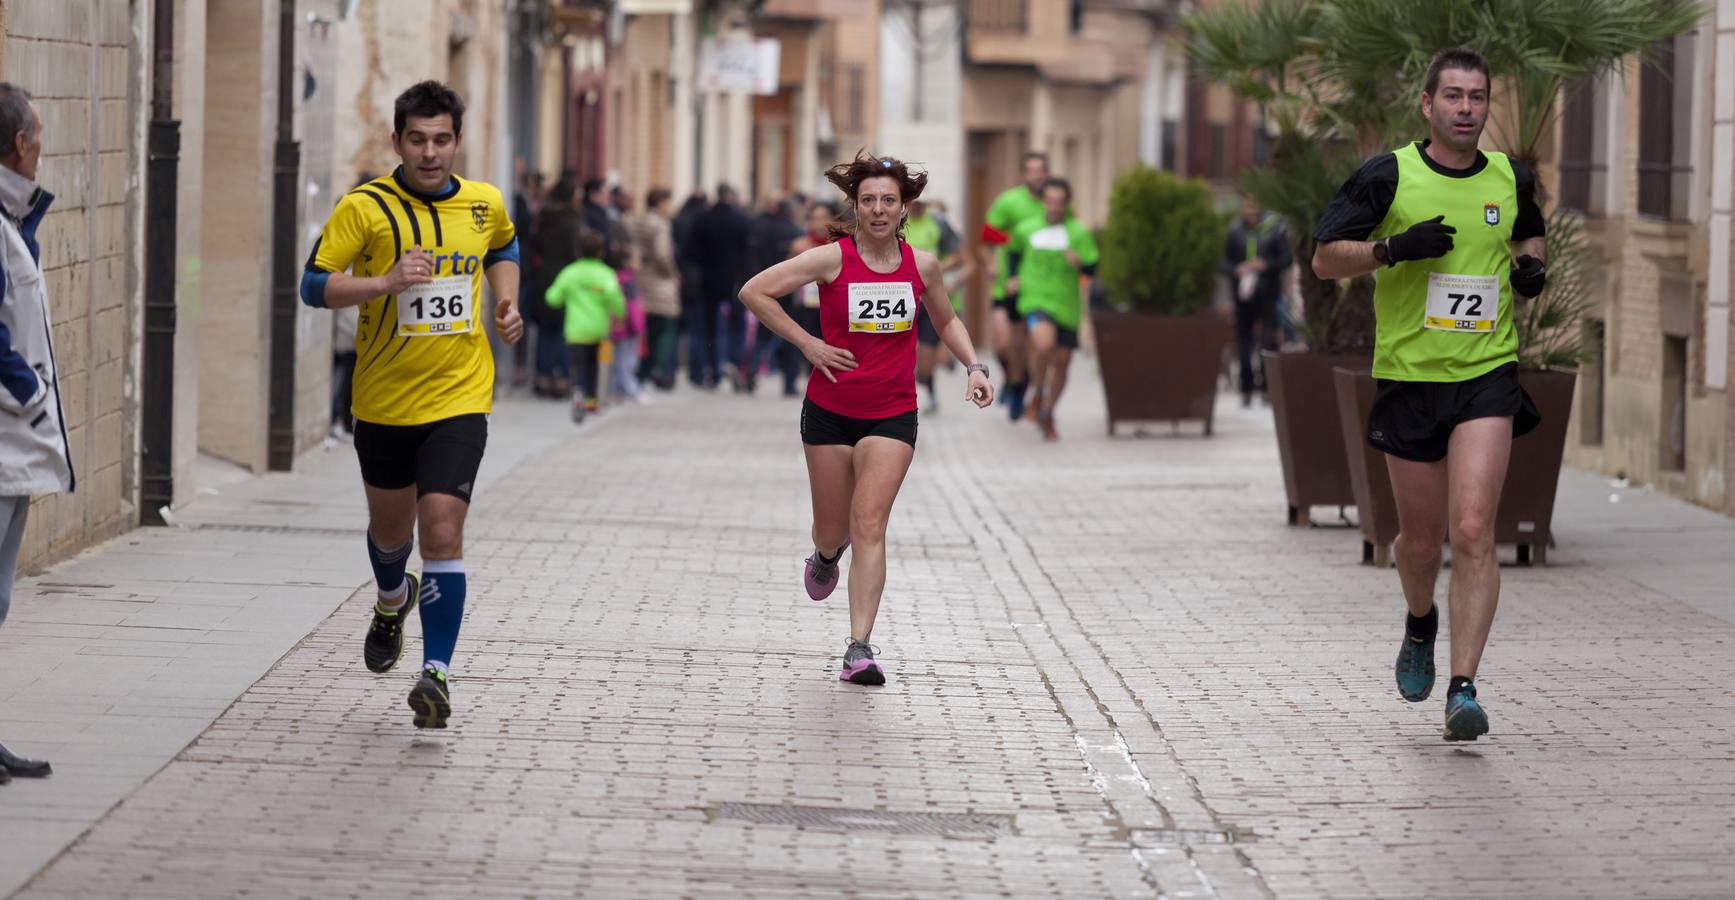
[[859, 666], [821, 578]]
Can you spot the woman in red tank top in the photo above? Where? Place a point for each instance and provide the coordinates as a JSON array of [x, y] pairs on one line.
[[858, 423]]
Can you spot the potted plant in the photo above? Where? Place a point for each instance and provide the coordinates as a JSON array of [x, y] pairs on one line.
[[1261, 52], [1158, 345], [1550, 348]]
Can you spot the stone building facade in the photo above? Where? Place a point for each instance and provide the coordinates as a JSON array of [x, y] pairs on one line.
[[77, 58], [1648, 156]]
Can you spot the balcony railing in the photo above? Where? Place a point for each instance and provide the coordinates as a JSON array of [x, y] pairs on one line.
[[998, 15]]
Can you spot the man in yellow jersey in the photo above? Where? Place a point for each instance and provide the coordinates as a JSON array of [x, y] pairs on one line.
[[1450, 233], [410, 249], [1009, 210]]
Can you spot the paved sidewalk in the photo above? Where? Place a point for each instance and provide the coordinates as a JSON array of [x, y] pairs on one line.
[[1114, 672]]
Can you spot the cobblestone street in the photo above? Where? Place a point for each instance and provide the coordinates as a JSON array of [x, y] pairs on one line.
[[1114, 672]]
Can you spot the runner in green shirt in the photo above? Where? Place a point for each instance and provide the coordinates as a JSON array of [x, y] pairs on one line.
[[926, 231], [1452, 234], [1050, 254], [1013, 206]]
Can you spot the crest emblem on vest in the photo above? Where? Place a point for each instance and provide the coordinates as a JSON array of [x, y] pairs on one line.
[[479, 216], [1491, 213]]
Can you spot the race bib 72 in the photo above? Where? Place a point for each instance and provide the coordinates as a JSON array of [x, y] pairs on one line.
[[1462, 303]]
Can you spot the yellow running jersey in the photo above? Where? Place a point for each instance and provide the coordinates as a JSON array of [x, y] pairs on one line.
[[421, 356]]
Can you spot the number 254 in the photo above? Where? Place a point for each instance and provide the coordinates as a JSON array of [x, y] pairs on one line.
[[881, 309]]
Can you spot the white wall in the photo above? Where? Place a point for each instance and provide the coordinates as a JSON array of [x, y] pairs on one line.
[[921, 114]]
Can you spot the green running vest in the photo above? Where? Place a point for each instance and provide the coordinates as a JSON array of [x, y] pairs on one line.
[[1448, 319], [923, 233]]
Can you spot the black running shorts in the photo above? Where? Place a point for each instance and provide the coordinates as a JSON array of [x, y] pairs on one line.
[[1009, 303], [1063, 336], [437, 457], [925, 333], [1413, 420], [820, 426]]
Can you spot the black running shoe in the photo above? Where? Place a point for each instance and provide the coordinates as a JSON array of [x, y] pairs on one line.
[[429, 699], [1415, 669], [385, 638], [1465, 720]]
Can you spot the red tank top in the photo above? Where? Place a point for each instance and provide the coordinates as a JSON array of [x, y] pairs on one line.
[[873, 316]]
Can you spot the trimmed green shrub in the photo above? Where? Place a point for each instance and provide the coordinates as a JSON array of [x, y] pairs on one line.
[[1161, 244]]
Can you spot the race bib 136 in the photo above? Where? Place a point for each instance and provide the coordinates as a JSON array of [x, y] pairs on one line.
[[436, 309]]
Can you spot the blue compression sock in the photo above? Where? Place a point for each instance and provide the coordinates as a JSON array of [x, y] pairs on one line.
[[388, 564], [442, 608]]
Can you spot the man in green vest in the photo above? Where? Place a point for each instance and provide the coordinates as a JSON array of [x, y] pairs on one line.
[[924, 230], [1014, 205], [1450, 233]]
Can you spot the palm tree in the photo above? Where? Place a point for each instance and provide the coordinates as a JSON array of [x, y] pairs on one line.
[[1341, 78], [1535, 47]]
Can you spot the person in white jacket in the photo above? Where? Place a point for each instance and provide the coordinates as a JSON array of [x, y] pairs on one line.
[[33, 447]]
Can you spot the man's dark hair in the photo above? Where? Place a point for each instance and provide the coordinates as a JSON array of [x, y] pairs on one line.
[[656, 197], [14, 116], [1456, 58], [425, 101], [1033, 154], [1061, 183], [591, 186], [590, 243]]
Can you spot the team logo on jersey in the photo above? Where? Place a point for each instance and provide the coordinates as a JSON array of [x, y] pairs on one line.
[[479, 216], [1491, 213]]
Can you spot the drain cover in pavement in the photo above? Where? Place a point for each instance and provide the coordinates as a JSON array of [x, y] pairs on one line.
[[275, 529], [1166, 836], [825, 818]]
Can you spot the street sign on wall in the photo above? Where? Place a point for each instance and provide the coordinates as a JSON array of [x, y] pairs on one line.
[[738, 65]]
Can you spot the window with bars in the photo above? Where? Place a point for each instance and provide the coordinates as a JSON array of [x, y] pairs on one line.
[[854, 97], [1592, 372], [999, 15], [1578, 145], [1658, 163], [1217, 162]]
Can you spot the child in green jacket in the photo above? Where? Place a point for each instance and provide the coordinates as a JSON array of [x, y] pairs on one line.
[[590, 292]]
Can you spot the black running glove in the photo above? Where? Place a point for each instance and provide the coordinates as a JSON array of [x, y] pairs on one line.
[[1529, 277], [1424, 240]]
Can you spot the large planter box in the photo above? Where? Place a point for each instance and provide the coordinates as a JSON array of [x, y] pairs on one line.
[[1376, 510], [1309, 431], [1160, 368], [1526, 514]]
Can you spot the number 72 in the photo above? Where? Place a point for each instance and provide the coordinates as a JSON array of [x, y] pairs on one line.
[[1475, 301]]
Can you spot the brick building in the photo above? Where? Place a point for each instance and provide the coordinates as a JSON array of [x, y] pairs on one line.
[[75, 58], [1649, 157]]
